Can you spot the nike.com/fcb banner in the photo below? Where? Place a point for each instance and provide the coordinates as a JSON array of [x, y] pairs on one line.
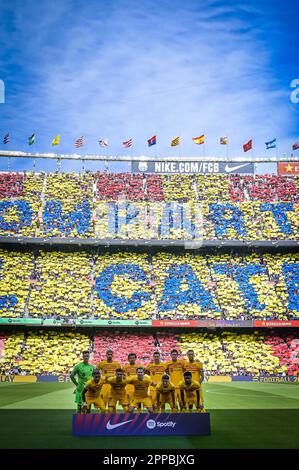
[[141, 424], [191, 167]]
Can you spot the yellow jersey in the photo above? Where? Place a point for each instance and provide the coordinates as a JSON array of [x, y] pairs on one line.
[[140, 386], [130, 370], [190, 390], [175, 371], [165, 391], [156, 371], [195, 368], [117, 386], [108, 368], [94, 388]]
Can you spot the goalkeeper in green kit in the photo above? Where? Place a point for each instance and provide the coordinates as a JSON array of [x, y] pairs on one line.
[[84, 372]]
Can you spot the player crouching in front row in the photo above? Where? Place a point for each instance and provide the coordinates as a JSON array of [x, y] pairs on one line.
[[118, 392], [190, 394], [165, 394], [91, 393], [141, 396]]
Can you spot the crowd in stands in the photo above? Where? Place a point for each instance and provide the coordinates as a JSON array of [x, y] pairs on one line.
[[124, 205], [139, 286], [253, 353]]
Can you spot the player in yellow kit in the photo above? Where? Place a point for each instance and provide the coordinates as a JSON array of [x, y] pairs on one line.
[[196, 368], [175, 369], [155, 370], [165, 394], [92, 393], [130, 370], [108, 369], [118, 392], [190, 393], [141, 384]]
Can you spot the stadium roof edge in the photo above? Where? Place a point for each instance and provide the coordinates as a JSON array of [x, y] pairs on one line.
[[130, 158]]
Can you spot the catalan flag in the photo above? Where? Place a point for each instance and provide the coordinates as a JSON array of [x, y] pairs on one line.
[[223, 140], [199, 140], [175, 142], [56, 140]]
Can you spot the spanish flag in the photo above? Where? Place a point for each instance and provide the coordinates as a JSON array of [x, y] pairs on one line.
[[175, 142], [199, 140], [56, 140]]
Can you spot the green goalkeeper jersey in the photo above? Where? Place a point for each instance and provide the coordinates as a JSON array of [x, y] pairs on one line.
[[83, 372]]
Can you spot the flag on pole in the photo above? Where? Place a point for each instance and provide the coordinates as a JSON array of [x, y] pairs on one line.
[[223, 140], [271, 144], [175, 142], [56, 140], [79, 142], [103, 142], [31, 139], [199, 140], [6, 138], [296, 145], [128, 143], [247, 146], [152, 141]]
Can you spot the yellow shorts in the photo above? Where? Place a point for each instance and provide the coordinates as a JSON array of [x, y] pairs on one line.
[[147, 402], [97, 402], [122, 400], [106, 392], [153, 394], [130, 391]]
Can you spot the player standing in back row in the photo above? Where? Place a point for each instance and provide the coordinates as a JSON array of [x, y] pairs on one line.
[[196, 368], [108, 369], [84, 371], [175, 369]]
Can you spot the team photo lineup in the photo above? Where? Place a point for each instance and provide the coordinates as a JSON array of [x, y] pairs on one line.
[[149, 232], [132, 386]]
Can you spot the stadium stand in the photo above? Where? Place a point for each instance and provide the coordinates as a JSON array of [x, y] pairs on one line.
[[222, 353], [44, 352], [106, 205], [140, 286], [62, 286]]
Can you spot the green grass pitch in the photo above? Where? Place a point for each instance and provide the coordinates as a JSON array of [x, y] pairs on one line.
[[243, 415]]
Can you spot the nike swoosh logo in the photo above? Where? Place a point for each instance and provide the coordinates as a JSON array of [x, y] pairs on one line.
[[113, 426], [232, 168]]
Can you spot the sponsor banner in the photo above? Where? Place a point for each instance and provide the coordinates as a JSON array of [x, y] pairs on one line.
[[288, 168], [141, 424], [241, 378], [20, 321], [53, 378], [190, 167], [175, 323], [275, 323], [25, 378], [220, 378], [114, 322], [234, 323], [276, 379]]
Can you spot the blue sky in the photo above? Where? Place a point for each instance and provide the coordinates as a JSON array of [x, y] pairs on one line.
[[131, 69]]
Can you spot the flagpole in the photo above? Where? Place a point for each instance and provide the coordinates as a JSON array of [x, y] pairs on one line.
[[251, 148], [276, 149], [226, 147], [106, 163]]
